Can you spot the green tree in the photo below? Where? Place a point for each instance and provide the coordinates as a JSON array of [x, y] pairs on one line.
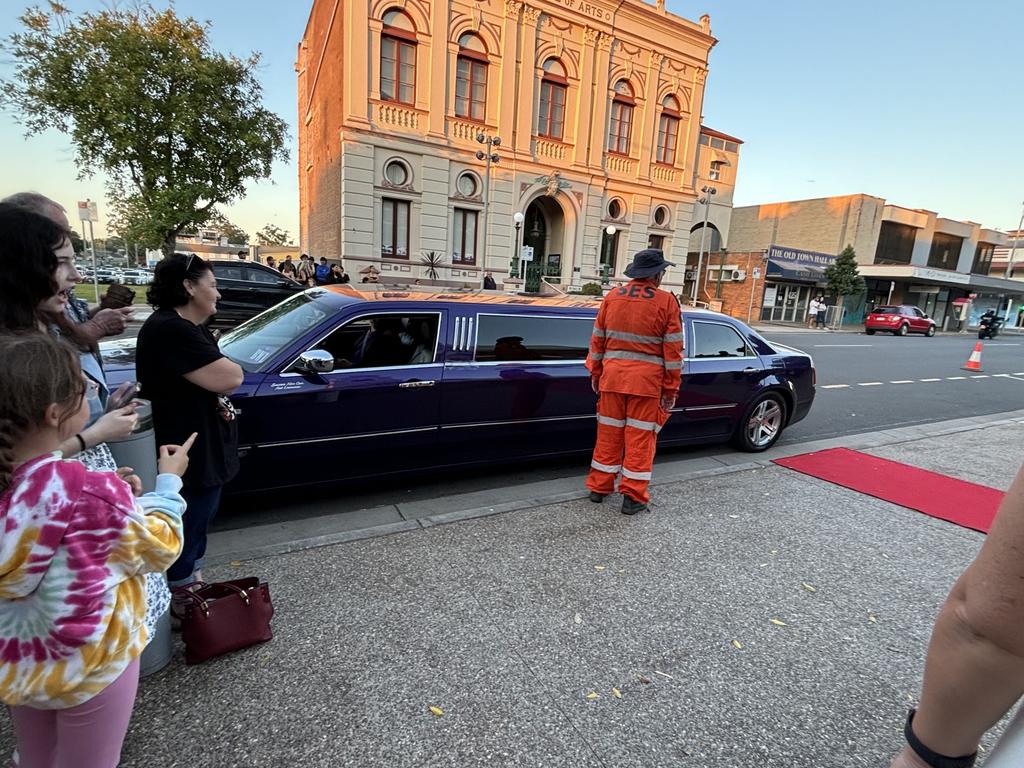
[[271, 234], [234, 233], [177, 127], [77, 243], [843, 277]]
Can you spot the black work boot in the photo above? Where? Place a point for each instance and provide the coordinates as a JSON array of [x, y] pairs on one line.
[[596, 497], [631, 506]]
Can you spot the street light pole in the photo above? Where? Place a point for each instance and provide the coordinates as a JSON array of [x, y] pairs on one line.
[[721, 264], [491, 157], [607, 268], [1016, 239], [513, 267], [706, 201]]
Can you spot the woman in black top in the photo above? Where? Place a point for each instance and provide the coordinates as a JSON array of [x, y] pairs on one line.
[[186, 377]]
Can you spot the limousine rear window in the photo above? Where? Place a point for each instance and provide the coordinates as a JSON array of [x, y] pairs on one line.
[[255, 342], [718, 340], [508, 338]]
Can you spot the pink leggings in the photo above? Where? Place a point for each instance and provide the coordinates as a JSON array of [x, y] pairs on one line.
[[87, 736]]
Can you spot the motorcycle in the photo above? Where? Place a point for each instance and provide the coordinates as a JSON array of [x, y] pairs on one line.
[[988, 327]]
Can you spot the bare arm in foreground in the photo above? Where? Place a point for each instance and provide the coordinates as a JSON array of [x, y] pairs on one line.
[[974, 672]]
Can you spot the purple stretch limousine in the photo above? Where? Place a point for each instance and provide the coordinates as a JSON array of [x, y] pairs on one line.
[[346, 383]]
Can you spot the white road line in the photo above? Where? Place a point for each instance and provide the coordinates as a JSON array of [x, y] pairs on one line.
[[835, 386], [1019, 373], [902, 381], [955, 378], [980, 376], [869, 384], [844, 345], [929, 379], [1001, 344]]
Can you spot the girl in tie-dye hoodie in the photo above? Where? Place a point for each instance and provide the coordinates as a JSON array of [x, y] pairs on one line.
[[74, 546]]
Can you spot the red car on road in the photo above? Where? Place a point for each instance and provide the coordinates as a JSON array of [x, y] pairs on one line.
[[899, 321]]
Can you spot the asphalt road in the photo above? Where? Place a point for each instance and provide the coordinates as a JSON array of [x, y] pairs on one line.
[[865, 383]]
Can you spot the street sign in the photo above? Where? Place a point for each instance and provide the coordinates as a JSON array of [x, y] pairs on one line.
[[87, 211], [527, 253], [757, 273]]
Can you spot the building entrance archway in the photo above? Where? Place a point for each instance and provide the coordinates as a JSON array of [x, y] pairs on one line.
[[544, 231]]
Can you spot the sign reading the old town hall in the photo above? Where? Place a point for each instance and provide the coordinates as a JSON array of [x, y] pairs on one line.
[[801, 258]]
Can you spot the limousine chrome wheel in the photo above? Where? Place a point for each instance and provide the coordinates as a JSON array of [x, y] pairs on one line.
[[763, 424]]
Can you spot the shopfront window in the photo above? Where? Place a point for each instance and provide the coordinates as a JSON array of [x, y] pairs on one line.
[[983, 259], [895, 243], [945, 251]]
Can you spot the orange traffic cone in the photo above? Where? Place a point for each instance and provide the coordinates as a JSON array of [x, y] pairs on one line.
[[974, 361]]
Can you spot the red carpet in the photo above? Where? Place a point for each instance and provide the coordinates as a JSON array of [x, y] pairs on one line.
[[967, 504]]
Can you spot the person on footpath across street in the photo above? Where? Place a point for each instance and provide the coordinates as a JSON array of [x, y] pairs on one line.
[[188, 380], [72, 561], [812, 312], [636, 364], [822, 311], [974, 672]]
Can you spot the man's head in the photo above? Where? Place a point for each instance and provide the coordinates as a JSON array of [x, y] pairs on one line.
[[648, 264], [270, 260], [41, 204], [242, 254], [323, 260], [303, 257]]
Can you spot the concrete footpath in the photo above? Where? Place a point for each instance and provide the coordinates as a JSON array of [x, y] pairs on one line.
[[755, 617]]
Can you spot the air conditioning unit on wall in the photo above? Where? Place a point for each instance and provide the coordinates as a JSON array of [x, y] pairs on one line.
[[738, 275], [690, 274]]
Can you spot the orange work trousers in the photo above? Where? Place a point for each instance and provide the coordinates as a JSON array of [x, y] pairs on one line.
[[627, 437]]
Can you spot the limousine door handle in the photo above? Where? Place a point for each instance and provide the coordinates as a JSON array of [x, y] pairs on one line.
[[416, 384], [751, 370]]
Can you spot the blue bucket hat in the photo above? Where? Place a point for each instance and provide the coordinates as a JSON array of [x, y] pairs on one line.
[[648, 262]]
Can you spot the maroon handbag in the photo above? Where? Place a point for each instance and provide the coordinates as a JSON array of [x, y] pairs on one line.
[[225, 616]]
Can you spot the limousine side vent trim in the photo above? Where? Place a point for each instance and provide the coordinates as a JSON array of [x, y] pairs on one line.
[[458, 330]]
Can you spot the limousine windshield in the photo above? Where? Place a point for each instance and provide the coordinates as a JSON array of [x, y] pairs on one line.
[[260, 339]]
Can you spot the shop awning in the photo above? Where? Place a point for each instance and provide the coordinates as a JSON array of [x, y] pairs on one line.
[[789, 270]]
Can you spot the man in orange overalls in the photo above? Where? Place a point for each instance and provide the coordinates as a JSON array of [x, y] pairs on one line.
[[636, 365]]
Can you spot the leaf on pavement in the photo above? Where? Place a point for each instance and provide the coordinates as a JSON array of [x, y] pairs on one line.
[[779, 623], [593, 695], [872, 619], [437, 711], [664, 675], [738, 644], [236, 563], [645, 680], [809, 587], [578, 619], [616, 693], [598, 567]]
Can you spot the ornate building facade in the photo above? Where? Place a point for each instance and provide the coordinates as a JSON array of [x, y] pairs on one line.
[[596, 106]]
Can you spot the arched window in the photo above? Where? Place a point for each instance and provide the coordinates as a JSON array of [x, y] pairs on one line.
[[621, 124], [471, 78], [668, 131], [552, 100], [398, 59]]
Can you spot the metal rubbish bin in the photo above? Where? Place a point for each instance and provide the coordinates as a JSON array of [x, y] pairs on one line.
[[139, 452]]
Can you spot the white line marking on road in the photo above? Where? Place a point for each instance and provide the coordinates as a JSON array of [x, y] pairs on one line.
[[869, 384], [980, 376], [1001, 344], [955, 378], [835, 386], [929, 379], [844, 345], [903, 381]]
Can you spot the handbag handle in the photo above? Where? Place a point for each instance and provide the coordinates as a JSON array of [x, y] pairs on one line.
[[203, 605]]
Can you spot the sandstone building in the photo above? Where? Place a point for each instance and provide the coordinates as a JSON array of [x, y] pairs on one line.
[[596, 104]]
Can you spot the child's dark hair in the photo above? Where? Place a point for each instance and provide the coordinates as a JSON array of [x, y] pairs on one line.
[[27, 264], [168, 288], [37, 371]]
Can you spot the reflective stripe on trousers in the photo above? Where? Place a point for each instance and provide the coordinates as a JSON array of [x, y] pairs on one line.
[[627, 435]]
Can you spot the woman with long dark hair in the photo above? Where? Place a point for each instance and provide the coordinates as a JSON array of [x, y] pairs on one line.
[[188, 380]]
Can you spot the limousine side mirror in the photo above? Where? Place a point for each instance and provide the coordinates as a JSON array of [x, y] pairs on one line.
[[315, 361]]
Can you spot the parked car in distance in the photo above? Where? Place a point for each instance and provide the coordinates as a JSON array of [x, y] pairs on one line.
[[899, 321], [137, 277], [246, 289], [352, 383]]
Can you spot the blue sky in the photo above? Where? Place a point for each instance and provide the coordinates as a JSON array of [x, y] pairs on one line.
[[910, 100]]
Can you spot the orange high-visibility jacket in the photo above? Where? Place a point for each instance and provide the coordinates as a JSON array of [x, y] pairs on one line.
[[637, 346]]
